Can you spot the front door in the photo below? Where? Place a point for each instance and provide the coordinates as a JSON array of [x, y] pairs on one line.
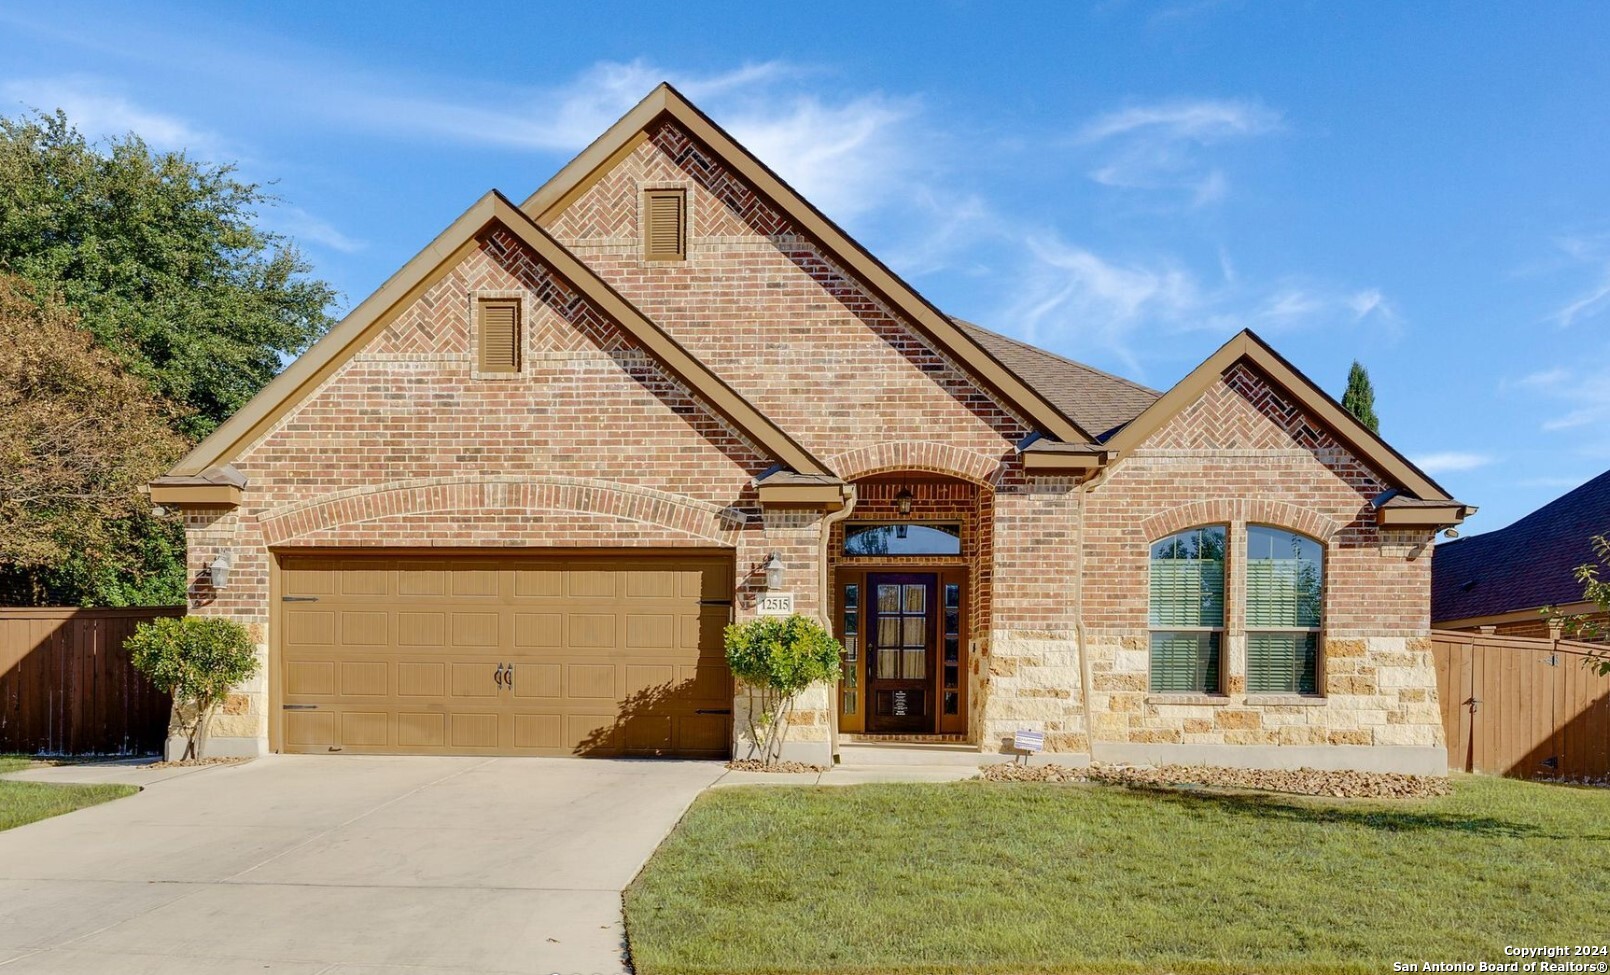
[[902, 623]]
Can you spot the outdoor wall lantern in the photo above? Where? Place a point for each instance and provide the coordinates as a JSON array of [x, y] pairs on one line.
[[774, 572], [218, 572], [902, 503]]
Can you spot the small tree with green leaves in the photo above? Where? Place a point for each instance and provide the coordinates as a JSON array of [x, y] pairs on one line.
[[1359, 399], [777, 657], [1595, 590], [197, 660]]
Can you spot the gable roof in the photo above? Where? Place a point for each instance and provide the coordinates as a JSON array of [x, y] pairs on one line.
[[301, 377], [1098, 401], [626, 134], [1441, 508], [1524, 566]]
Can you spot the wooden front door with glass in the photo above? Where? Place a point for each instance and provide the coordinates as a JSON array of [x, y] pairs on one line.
[[904, 644]]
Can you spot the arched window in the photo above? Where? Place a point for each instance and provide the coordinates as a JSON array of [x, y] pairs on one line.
[[1285, 586], [1187, 611]]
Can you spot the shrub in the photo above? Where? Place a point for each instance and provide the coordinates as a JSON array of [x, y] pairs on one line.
[[196, 659], [777, 657]]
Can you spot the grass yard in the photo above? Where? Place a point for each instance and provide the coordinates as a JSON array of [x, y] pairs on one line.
[[1031, 877], [26, 802]]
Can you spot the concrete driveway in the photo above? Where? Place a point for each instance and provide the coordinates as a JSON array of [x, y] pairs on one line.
[[340, 865]]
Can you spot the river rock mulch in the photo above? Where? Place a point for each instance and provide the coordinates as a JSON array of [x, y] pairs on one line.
[[1338, 784], [756, 765]]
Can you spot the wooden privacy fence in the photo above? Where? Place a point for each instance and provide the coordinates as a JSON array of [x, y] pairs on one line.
[[67, 687], [1524, 707]]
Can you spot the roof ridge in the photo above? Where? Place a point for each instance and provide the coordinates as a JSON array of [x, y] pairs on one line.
[[1027, 346]]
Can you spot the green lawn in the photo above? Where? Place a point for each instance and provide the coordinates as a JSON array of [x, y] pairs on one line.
[[25, 802], [1030, 877]]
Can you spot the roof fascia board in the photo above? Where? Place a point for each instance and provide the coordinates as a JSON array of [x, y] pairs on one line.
[[1247, 345], [1515, 616], [314, 365], [542, 205], [196, 495], [426, 268], [666, 349], [1441, 516]]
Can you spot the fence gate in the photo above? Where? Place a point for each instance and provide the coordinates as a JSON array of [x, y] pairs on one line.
[[67, 687], [1523, 707]]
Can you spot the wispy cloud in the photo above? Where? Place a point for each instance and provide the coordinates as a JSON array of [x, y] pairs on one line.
[[1068, 296], [1162, 146], [1451, 461], [1593, 253], [99, 111], [1580, 392], [300, 225]]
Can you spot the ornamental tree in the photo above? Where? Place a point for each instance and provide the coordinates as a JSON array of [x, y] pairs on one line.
[[777, 657], [197, 660]]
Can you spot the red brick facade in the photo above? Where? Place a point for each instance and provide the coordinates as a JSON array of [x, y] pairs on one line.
[[595, 444]]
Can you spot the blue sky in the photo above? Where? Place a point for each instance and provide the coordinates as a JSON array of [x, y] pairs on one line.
[[1425, 187]]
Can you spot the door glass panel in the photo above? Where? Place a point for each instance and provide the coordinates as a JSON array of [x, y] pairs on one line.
[[888, 631], [915, 635], [902, 539], [852, 645], [915, 663], [952, 650], [888, 599], [888, 663], [916, 598]]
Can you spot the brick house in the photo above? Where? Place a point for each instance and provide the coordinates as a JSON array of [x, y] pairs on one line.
[[509, 503]]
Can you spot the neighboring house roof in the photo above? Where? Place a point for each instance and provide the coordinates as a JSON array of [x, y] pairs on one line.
[[1098, 401], [304, 375], [598, 159], [1440, 509], [1525, 566]]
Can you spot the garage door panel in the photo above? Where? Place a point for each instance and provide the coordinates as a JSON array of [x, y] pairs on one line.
[[477, 679], [595, 681], [309, 628], [541, 680], [421, 678], [366, 628], [508, 655], [367, 678], [365, 729], [477, 630], [539, 630], [365, 578], [422, 629], [421, 729], [539, 731], [592, 631], [650, 632], [304, 678]]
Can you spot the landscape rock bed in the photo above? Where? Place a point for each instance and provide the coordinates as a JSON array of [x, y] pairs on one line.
[[1343, 784], [756, 765]]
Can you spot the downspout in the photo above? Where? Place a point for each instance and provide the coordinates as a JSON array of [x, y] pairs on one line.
[[1085, 488], [825, 597]]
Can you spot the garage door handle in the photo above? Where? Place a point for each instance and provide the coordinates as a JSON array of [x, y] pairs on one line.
[[713, 711]]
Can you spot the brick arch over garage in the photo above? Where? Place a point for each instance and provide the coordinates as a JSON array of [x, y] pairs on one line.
[[1259, 511], [918, 455], [507, 510]]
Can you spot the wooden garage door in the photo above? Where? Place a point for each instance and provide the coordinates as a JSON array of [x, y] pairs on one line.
[[617, 655]]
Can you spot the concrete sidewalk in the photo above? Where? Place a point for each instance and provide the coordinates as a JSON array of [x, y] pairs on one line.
[[340, 865]]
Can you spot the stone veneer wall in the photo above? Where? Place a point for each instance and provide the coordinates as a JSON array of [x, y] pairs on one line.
[[1244, 454]]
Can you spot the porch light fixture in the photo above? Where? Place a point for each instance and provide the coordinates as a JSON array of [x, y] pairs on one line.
[[218, 571], [902, 503], [774, 572]]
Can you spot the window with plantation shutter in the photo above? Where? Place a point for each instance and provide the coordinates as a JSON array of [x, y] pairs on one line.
[[1187, 611], [665, 225], [1285, 586], [498, 335]]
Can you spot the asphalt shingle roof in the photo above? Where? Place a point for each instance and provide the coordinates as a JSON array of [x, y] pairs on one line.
[[1529, 564], [1099, 402]]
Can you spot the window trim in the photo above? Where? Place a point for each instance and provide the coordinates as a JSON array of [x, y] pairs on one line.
[[1223, 629], [479, 300], [1248, 630]]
